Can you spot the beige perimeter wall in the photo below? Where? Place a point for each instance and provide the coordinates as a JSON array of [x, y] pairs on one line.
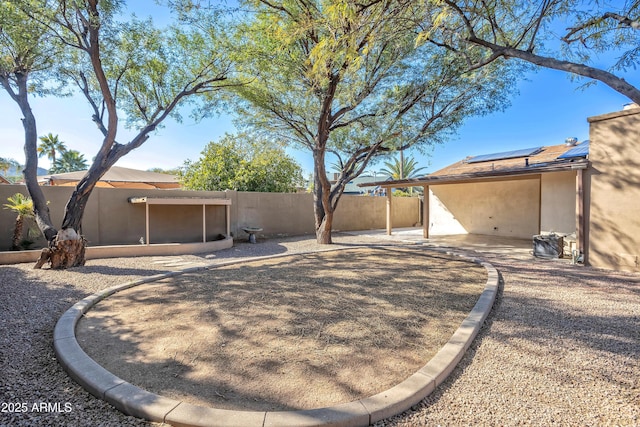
[[613, 212], [110, 219]]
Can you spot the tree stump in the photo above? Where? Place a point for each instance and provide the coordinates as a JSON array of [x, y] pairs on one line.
[[65, 251]]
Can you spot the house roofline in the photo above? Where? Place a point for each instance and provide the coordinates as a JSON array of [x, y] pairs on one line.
[[531, 170]]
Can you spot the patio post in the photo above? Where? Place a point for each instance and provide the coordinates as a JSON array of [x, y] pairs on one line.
[[389, 211], [204, 223], [580, 213], [425, 211], [146, 221]]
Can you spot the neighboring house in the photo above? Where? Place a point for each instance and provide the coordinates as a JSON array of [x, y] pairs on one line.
[[116, 177], [353, 187], [4, 180], [589, 190]]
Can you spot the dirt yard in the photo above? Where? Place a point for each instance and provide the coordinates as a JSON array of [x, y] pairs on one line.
[[295, 332]]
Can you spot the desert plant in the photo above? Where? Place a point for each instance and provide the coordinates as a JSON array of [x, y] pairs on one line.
[[23, 206]]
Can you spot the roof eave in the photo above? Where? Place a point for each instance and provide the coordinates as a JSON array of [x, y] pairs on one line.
[[479, 176]]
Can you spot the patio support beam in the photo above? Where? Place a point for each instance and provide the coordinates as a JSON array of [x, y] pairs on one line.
[[389, 225], [425, 211]]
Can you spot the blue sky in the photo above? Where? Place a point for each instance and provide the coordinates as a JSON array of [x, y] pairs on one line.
[[548, 109]]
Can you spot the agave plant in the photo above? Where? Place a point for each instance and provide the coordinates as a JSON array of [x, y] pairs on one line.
[[23, 206]]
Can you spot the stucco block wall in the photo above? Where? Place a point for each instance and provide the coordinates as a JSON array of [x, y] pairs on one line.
[[111, 220], [613, 180], [288, 214], [368, 213], [558, 202], [496, 208], [292, 214]]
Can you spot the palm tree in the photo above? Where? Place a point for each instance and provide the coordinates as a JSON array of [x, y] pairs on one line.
[[69, 161], [402, 168], [23, 206], [50, 145], [6, 164]]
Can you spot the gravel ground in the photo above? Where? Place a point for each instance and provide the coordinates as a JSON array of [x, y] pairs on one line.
[[562, 345]]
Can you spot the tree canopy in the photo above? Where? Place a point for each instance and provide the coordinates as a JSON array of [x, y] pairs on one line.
[[529, 31], [237, 163], [401, 168], [50, 146], [347, 78], [69, 161], [124, 68]]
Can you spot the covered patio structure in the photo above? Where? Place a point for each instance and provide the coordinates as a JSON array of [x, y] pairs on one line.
[[515, 194]]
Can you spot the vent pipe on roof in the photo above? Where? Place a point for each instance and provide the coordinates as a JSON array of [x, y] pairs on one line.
[[571, 141]]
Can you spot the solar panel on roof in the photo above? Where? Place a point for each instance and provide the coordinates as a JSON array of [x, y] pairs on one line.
[[505, 155], [581, 150]]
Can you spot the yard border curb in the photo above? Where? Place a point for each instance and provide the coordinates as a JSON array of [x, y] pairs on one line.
[[140, 403]]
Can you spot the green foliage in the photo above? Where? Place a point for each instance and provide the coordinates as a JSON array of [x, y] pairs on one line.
[[128, 70], [598, 40], [404, 167], [20, 204], [403, 193], [7, 164], [27, 48], [50, 145], [69, 161], [348, 79], [237, 163], [165, 171], [23, 206]]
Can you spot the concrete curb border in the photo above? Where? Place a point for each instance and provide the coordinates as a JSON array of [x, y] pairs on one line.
[[140, 403]]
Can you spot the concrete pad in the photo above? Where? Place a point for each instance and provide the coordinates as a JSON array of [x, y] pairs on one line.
[[140, 403], [399, 398], [186, 414], [352, 414]]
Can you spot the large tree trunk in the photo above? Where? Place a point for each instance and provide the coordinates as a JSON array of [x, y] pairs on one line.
[[30, 172], [322, 208], [323, 229], [65, 251], [68, 248]]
